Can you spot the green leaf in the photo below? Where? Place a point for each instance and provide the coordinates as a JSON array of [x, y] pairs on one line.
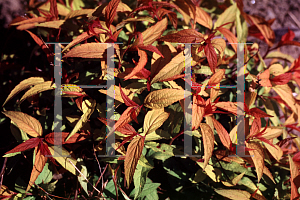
[[139, 179], [81, 179], [45, 176]]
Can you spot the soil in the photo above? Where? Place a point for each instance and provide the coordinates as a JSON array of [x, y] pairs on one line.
[[286, 14]]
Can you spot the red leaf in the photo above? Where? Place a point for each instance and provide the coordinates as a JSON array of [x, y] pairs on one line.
[[289, 36], [184, 36], [111, 11], [151, 48], [211, 56], [53, 9], [258, 113], [127, 101], [140, 65], [28, 144], [75, 138], [282, 79]]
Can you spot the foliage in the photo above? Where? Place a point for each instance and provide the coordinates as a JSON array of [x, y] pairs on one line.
[[150, 63]]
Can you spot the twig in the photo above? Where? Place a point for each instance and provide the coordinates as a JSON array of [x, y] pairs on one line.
[[83, 175], [101, 176], [2, 172], [98, 164], [294, 18], [50, 194]]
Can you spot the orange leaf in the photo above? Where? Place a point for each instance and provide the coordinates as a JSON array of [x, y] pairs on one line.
[[208, 140], [140, 65], [133, 154], [88, 50], [25, 122], [230, 37], [151, 34], [198, 111], [223, 134], [84, 36], [39, 163], [258, 157], [295, 179], [203, 18], [216, 78], [228, 106], [184, 36]]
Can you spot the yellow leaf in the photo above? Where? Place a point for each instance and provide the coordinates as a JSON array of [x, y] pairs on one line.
[[52, 24], [133, 154], [24, 85], [228, 15], [234, 181], [25, 122], [285, 92], [88, 107], [208, 140], [174, 67], [154, 119], [258, 157], [41, 87], [164, 97], [234, 194], [39, 163], [61, 156]]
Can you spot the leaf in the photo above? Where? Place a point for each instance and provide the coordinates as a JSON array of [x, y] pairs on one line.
[[153, 120], [295, 175], [61, 156], [234, 181], [258, 157], [219, 44], [216, 78], [275, 151], [77, 13], [223, 134], [158, 62], [88, 50], [38, 88], [203, 18], [234, 194], [81, 179], [164, 97], [138, 19], [184, 36], [208, 142], [88, 107], [280, 55], [25, 122], [53, 9], [139, 179], [30, 21], [52, 24], [227, 16], [23, 85], [230, 37], [133, 154], [174, 67], [151, 34], [28, 144], [39, 163], [228, 106], [111, 11], [198, 111], [285, 92], [264, 27], [211, 56], [140, 65], [50, 138]]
